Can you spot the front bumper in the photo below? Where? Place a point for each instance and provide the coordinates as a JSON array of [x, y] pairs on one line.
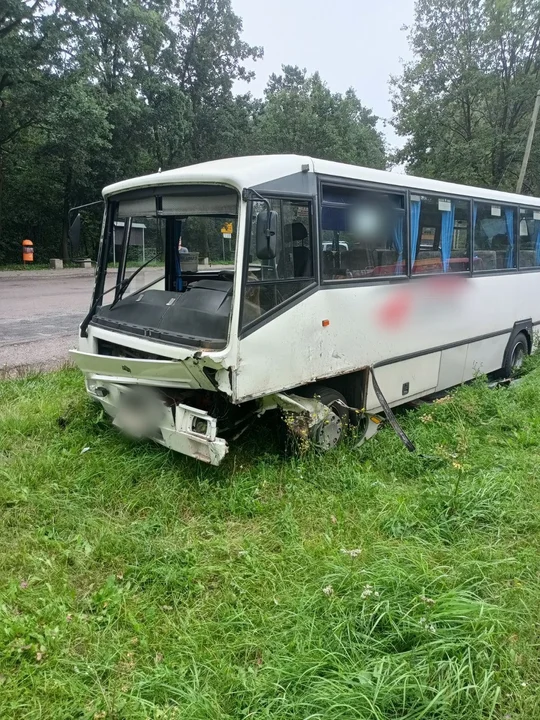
[[160, 373], [141, 412]]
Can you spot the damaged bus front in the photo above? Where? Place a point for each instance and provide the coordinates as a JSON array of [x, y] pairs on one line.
[[189, 354], [156, 346]]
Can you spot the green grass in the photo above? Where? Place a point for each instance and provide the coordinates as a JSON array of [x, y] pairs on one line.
[[37, 266], [111, 265], [135, 583], [27, 266]]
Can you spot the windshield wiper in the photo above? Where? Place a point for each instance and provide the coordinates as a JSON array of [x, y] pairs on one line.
[[121, 287], [123, 284]]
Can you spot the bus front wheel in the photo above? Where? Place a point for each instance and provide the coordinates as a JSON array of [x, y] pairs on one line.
[[330, 431]]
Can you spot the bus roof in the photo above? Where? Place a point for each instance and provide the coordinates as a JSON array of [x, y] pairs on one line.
[[256, 170]]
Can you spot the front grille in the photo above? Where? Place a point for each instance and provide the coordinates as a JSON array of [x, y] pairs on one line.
[[113, 350]]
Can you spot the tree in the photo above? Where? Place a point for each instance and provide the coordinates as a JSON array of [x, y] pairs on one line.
[[203, 56], [77, 133], [464, 101], [26, 51], [167, 68], [29, 43], [93, 91], [301, 115]]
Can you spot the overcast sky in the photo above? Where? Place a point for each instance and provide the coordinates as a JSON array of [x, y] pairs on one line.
[[352, 43]]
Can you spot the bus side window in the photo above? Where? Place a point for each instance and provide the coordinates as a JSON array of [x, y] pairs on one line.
[[529, 238], [440, 234], [297, 240], [271, 282], [495, 240], [363, 234]]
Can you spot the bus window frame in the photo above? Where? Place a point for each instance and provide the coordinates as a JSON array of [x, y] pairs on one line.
[[450, 196], [316, 215], [244, 331], [102, 261], [399, 190], [408, 191], [534, 268], [502, 205], [361, 185]]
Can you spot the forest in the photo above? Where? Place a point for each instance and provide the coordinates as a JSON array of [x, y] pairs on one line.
[[94, 91]]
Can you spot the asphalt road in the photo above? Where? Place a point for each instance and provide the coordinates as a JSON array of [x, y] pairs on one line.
[[40, 312]]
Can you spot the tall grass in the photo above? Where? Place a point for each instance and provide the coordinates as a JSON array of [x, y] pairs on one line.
[[370, 583]]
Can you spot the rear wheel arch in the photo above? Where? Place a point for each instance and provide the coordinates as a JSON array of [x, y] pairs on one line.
[[519, 344]]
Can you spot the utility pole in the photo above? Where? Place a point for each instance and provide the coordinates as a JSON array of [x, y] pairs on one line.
[[528, 147]]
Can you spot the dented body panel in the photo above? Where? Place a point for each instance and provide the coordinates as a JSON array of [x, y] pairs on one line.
[[175, 373]]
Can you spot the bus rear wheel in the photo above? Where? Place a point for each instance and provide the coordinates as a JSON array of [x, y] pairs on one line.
[[330, 432], [515, 355]]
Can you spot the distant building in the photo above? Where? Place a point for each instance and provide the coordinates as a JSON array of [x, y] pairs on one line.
[[136, 237]]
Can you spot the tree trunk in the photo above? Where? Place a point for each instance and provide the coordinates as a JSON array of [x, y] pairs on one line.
[[65, 219], [1, 189]]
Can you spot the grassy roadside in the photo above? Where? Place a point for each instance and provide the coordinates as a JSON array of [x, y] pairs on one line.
[[25, 268], [365, 584], [111, 265]]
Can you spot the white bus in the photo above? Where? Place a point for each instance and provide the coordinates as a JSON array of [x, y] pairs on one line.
[[340, 275]]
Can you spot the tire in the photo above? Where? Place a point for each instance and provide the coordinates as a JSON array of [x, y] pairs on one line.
[[515, 354], [330, 432]]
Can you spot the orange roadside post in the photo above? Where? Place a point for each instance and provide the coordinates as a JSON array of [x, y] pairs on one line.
[[28, 251]]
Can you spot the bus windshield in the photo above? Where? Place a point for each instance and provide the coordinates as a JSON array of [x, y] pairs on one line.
[[158, 248]]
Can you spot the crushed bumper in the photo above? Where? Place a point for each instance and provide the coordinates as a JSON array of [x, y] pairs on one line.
[[141, 412], [203, 446]]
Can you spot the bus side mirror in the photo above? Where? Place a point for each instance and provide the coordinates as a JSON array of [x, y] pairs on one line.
[[75, 235], [266, 234]]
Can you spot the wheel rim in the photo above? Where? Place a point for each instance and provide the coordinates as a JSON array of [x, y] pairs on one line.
[[517, 357], [329, 431]]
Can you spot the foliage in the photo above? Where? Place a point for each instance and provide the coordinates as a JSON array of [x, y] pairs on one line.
[[302, 115], [93, 91], [135, 583], [465, 101]]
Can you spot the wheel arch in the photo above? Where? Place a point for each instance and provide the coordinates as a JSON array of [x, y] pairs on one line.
[[353, 386], [524, 327]]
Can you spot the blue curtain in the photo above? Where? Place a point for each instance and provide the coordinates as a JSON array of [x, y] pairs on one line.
[[178, 270], [474, 216], [398, 243], [416, 206], [334, 218], [177, 265], [509, 215], [447, 235]]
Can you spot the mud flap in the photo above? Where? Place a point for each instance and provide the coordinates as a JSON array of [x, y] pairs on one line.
[[374, 424]]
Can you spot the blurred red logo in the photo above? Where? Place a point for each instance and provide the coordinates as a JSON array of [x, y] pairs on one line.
[[423, 295]]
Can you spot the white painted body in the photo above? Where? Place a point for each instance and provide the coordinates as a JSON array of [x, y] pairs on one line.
[[303, 350], [295, 348]]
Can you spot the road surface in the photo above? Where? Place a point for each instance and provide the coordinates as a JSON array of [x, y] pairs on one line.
[[40, 312]]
